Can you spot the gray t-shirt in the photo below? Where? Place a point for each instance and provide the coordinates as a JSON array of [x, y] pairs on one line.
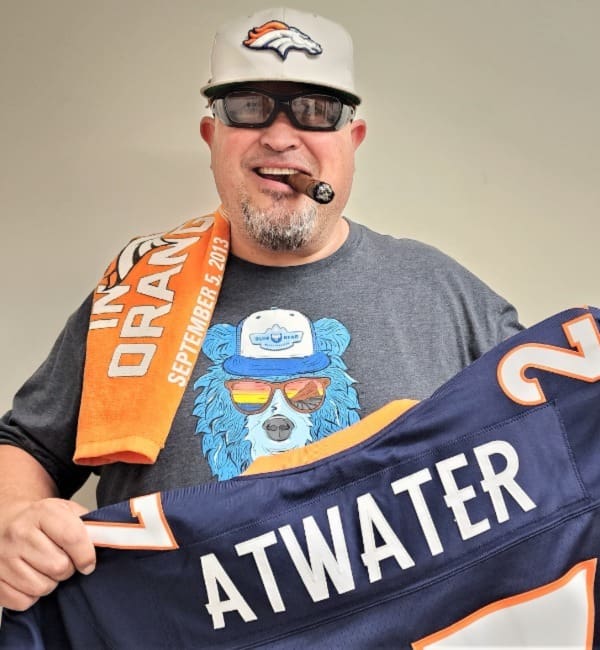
[[292, 355]]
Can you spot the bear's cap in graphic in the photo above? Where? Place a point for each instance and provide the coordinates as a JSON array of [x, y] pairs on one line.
[[275, 342], [283, 44]]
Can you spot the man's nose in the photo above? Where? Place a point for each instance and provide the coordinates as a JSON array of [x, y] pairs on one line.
[[281, 135]]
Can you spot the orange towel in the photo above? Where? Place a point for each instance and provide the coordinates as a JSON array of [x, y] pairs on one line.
[[150, 313]]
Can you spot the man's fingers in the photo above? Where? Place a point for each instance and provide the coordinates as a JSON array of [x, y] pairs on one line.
[[44, 556], [15, 599], [25, 579], [76, 508], [43, 543], [68, 533]]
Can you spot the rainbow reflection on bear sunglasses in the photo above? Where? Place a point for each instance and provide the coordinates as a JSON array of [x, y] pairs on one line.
[[303, 394]]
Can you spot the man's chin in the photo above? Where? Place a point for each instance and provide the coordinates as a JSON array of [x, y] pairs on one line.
[[280, 226]]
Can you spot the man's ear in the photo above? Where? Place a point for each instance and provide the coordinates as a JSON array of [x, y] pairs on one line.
[[358, 131], [207, 129]]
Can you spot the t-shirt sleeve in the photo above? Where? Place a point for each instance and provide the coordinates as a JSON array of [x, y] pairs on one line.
[[482, 317], [43, 418], [491, 318]]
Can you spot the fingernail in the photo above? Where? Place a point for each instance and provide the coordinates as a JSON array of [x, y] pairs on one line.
[[88, 569]]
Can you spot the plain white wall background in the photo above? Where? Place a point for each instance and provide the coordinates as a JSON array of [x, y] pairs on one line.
[[483, 140]]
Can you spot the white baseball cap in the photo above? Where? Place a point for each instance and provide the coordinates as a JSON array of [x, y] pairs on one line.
[[283, 44], [276, 342]]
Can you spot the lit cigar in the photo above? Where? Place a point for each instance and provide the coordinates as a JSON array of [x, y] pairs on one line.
[[313, 188]]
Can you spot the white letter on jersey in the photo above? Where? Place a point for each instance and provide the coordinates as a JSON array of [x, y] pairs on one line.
[[321, 559], [412, 485], [214, 576], [455, 497], [492, 482], [584, 364], [256, 547], [371, 518]]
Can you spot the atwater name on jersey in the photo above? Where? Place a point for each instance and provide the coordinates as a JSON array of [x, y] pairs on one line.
[[469, 518]]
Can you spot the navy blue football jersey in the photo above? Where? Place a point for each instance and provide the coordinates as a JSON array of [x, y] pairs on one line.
[[471, 519]]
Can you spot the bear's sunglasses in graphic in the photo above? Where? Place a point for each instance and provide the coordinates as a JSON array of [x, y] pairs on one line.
[[303, 394]]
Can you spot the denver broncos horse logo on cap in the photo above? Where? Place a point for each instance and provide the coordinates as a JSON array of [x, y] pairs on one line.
[[280, 37]]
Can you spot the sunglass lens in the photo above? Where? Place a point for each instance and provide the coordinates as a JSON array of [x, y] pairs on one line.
[[316, 111], [249, 396], [245, 107], [306, 394]]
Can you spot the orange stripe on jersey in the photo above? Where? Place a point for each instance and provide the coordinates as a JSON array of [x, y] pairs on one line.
[[333, 444]]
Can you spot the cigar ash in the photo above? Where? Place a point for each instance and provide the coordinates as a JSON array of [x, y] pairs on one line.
[[315, 189]]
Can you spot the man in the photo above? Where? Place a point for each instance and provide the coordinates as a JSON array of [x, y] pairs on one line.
[[319, 321]]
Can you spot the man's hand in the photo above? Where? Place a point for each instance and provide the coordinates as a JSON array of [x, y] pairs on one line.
[[41, 543]]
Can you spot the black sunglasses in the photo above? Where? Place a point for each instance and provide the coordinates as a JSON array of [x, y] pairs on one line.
[[253, 109]]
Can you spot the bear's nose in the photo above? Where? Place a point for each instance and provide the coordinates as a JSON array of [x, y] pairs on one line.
[[278, 428]]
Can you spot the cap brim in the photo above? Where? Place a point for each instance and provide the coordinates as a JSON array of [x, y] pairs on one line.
[[210, 90], [252, 367]]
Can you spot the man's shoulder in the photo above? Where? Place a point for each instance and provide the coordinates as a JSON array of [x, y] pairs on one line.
[[402, 248]]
